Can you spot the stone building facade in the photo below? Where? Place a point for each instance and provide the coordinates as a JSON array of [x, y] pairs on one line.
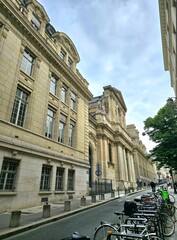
[[145, 170], [44, 110], [167, 13], [54, 136], [113, 148]]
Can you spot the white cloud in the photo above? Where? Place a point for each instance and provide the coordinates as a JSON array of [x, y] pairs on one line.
[[119, 44]]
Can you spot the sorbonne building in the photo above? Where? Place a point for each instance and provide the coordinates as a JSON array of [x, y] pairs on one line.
[[54, 136]]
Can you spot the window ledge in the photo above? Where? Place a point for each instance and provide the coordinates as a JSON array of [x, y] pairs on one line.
[[45, 192], [59, 192], [27, 77], [8, 193], [69, 192]]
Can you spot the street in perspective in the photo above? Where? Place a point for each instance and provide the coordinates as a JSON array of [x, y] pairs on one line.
[[88, 119], [84, 221]]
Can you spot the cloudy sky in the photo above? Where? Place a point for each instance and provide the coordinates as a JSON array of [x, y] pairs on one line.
[[119, 43]]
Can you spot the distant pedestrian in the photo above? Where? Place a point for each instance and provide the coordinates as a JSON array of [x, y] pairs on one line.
[[153, 185]]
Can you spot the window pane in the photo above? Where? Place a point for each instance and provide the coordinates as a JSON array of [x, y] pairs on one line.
[[59, 185], [71, 174], [49, 123], [27, 63], [45, 178], [63, 94], [70, 63], [35, 22], [61, 131], [19, 108], [71, 133], [62, 54], [7, 176], [73, 101], [53, 85]]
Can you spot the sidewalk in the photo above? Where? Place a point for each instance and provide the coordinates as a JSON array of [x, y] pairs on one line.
[[32, 217]]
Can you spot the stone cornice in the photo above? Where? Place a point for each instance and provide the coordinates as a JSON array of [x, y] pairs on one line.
[[163, 32], [21, 146], [24, 26]]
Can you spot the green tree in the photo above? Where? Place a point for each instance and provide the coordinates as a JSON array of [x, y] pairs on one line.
[[162, 129]]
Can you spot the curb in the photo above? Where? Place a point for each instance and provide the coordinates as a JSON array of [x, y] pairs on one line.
[[20, 229], [52, 219]]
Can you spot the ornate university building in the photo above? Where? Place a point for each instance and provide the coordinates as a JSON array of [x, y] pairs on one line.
[[115, 147], [54, 136]]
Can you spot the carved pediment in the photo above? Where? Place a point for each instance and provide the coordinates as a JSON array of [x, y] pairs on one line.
[[67, 43]]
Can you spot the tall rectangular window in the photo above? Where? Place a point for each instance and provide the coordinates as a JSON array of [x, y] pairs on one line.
[[70, 63], [71, 133], [49, 123], [19, 107], [59, 184], [61, 132], [71, 179], [64, 93], [73, 101], [35, 22], [27, 63], [62, 54], [45, 178], [8, 175], [53, 84]]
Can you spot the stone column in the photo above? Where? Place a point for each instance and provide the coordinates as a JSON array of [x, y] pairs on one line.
[[133, 177], [125, 165]]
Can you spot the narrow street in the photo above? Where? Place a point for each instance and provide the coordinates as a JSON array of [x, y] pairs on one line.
[[84, 222]]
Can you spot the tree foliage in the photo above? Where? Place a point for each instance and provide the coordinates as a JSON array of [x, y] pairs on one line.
[[162, 129]]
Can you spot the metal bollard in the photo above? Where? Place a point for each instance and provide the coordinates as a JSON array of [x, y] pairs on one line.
[[15, 219]]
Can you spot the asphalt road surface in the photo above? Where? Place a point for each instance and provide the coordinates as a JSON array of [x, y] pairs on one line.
[[84, 222]]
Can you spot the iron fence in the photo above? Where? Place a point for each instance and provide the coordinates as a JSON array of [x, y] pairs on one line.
[[101, 186]]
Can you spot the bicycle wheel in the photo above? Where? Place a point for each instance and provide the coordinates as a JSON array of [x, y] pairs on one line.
[[170, 210], [167, 224], [172, 198], [102, 232]]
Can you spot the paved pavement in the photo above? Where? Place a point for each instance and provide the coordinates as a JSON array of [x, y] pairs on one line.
[[34, 217]]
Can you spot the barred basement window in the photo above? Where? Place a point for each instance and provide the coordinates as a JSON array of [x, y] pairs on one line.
[[8, 175]]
